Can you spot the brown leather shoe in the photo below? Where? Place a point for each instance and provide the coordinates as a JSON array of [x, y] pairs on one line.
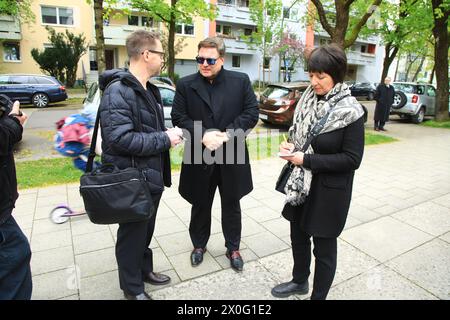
[[156, 279], [197, 256], [236, 261]]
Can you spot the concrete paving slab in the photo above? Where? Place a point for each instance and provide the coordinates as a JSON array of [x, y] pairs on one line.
[[168, 226], [429, 217], [55, 285], [251, 227], [385, 238], [43, 212], [160, 261], [379, 283], [279, 265], [85, 226], [280, 227], [44, 226], [443, 200], [182, 265], [264, 244], [93, 241], [104, 286], [351, 222], [262, 213], [51, 260], [445, 237], [428, 266], [25, 221], [255, 283], [46, 241], [175, 243], [96, 262], [248, 202], [361, 213]]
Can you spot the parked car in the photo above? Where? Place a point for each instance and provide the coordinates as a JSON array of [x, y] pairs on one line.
[[363, 89], [40, 90], [414, 100], [277, 103], [166, 80], [92, 101]]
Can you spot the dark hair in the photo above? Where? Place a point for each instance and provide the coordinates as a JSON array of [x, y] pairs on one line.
[[140, 40], [330, 59], [213, 42]]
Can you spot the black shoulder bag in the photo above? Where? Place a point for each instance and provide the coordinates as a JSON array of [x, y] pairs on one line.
[[289, 167], [112, 195]]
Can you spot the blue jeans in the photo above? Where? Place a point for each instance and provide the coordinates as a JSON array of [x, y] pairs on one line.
[[15, 256]]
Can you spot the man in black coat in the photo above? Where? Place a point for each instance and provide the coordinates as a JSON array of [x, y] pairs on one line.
[[385, 98], [15, 253], [133, 133], [218, 108]]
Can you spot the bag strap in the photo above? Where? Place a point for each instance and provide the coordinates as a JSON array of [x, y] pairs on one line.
[[318, 127], [92, 154]]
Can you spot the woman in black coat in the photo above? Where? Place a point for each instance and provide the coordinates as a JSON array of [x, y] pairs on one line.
[[318, 191]]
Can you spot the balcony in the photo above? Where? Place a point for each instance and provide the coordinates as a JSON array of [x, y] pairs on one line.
[[234, 13], [115, 35], [360, 58], [234, 45], [9, 28]]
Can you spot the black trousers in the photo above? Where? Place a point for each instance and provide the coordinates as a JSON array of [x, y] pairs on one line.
[[134, 257], [15, 256], [325, 252], [379, 124], [200, 225]]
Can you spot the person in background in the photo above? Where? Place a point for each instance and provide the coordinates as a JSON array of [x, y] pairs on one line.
[[384, 97], [319, 189]]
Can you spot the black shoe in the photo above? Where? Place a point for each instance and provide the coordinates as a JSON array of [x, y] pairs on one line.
[[383, 129], [376, 129], [142, 296], [284, 290], [197, 256], [156, 279], [236, 261]]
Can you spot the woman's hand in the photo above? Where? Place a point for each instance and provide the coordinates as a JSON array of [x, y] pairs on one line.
[[286, 147], [296, 158]]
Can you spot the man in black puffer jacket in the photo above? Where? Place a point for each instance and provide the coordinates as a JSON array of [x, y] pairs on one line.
[[132, 123], [15, 253]]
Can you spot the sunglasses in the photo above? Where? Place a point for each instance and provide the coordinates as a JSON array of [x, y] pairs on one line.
[[161, 54], [209, 61]]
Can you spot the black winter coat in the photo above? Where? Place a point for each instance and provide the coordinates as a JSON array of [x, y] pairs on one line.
[[228, 103], [10, 134], [124, 108], [337, 154], [385, 98]]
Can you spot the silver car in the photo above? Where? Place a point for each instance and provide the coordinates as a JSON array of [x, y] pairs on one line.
[[414, 100]]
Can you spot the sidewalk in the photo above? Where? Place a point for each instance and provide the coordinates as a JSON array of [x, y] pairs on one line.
[[396, 244]]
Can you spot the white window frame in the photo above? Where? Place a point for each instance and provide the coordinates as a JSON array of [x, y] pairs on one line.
[[57, 17], [183, 25], [4, 52], [236, 55]]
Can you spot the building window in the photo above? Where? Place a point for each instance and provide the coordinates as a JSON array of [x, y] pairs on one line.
[[266, 64], [236, 62], [248, 31], [223, 30], [243, 3], [363, 49], [228, 2], [11, 52], [133, 20], [147, 22], [57, 15], [186, 29]]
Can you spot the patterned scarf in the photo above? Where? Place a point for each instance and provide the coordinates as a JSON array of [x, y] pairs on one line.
[[308, 112]]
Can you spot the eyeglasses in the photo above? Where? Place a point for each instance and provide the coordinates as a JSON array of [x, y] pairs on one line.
[[161, 54], [209, 61]]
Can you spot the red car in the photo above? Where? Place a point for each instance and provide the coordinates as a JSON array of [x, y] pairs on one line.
[[277, 103]]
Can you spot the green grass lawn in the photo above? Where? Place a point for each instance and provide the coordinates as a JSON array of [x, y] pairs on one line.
[[436, 124], [44, 172]]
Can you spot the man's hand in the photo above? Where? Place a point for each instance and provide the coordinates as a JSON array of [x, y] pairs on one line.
[[22, 117], [214, 139], [175, 136]]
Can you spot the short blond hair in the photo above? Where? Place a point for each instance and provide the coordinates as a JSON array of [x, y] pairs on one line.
[[140, 40]]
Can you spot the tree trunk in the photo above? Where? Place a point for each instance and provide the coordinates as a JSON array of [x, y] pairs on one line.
[[171, 43], [419, 68], [432, 74], [99, 37], [411, 62], [388, 58], [440, 33]]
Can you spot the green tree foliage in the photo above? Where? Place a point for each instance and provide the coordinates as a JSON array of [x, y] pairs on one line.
[[61, 59], [17, 8], [171, 14], [266, 14], [343, 19]]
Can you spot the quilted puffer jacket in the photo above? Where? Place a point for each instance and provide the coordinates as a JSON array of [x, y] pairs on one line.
[[132, 127]]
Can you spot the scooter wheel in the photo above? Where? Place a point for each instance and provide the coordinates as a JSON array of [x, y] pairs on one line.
[[60, 214]]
